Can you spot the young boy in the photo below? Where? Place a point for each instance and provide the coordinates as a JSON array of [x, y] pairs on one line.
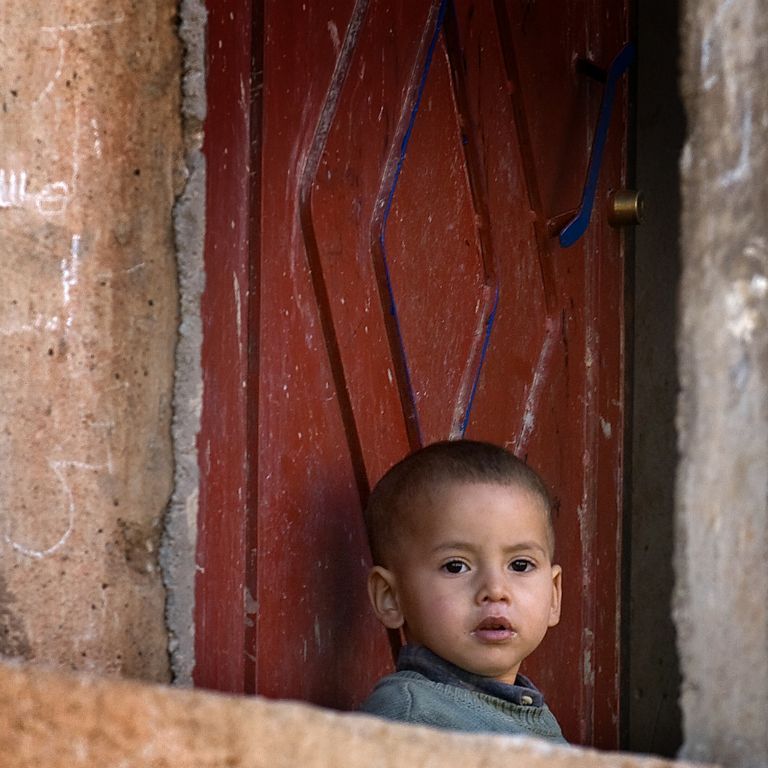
[[462, 543]]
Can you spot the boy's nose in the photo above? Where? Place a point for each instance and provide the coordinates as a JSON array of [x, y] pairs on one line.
[[493, 589]]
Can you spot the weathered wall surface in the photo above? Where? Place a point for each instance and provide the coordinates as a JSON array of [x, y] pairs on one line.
[[177, 554], [90, 162], [722, 494], [59, 722]]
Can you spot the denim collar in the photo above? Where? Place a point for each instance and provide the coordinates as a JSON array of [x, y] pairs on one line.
[[417, 658]]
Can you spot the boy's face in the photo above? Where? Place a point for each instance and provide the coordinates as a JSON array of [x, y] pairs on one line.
[[473, 579]]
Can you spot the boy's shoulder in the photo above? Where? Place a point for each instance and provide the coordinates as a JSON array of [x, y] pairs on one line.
[[410, 697]]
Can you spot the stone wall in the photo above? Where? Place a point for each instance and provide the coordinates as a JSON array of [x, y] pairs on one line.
[[722, 493], [91, 160], [59, 722]]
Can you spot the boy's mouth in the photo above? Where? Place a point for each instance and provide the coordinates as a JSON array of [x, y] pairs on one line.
[[493, 629]]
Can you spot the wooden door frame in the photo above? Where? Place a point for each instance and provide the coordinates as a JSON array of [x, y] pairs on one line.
[[225, 629], [225, 588]]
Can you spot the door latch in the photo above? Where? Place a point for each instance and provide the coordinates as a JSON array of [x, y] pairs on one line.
[[576, 227]]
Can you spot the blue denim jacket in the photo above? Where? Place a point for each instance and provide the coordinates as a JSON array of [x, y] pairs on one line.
[[428, 690]]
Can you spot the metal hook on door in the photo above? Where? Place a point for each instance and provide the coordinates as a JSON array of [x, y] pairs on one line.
[[576, 227]]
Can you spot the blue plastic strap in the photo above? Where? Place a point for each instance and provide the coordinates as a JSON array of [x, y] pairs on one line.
[[576, 227]]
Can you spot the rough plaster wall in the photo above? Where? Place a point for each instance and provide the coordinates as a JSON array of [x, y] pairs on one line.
[[722, 550], [90, 163], [180, 535], [654, 674], [59, 722]]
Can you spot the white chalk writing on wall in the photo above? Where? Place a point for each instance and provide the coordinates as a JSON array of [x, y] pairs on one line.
[[52, 198], [26, 184]]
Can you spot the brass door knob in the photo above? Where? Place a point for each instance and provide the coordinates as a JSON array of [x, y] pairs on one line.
[[625, 207]]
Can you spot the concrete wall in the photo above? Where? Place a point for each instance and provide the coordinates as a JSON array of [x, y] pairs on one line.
[[722, 493], [58, 722], [91, 159]]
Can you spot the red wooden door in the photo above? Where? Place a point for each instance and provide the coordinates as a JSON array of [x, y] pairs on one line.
[[383, 272]]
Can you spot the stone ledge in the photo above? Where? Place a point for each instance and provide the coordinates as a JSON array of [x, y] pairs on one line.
[[51, 719]]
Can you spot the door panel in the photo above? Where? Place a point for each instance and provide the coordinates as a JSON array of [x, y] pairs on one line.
[[410, 289]]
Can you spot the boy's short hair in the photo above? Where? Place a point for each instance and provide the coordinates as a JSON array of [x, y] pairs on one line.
[[449, 461]]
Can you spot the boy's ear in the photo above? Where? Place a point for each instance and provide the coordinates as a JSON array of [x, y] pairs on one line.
[[382, 590], [557, 595]]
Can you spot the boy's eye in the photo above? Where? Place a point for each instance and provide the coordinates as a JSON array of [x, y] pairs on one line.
[[455, 566], [521, 566]]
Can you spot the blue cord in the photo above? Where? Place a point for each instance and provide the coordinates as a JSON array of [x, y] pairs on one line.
[[486, 342], [398, 169]]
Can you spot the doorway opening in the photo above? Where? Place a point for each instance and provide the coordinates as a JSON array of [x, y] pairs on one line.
[[652, 679], [237, 604]]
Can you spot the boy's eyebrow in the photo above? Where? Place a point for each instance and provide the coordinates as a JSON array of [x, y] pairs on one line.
[[522, 546], [526, 546], [449, 545]]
